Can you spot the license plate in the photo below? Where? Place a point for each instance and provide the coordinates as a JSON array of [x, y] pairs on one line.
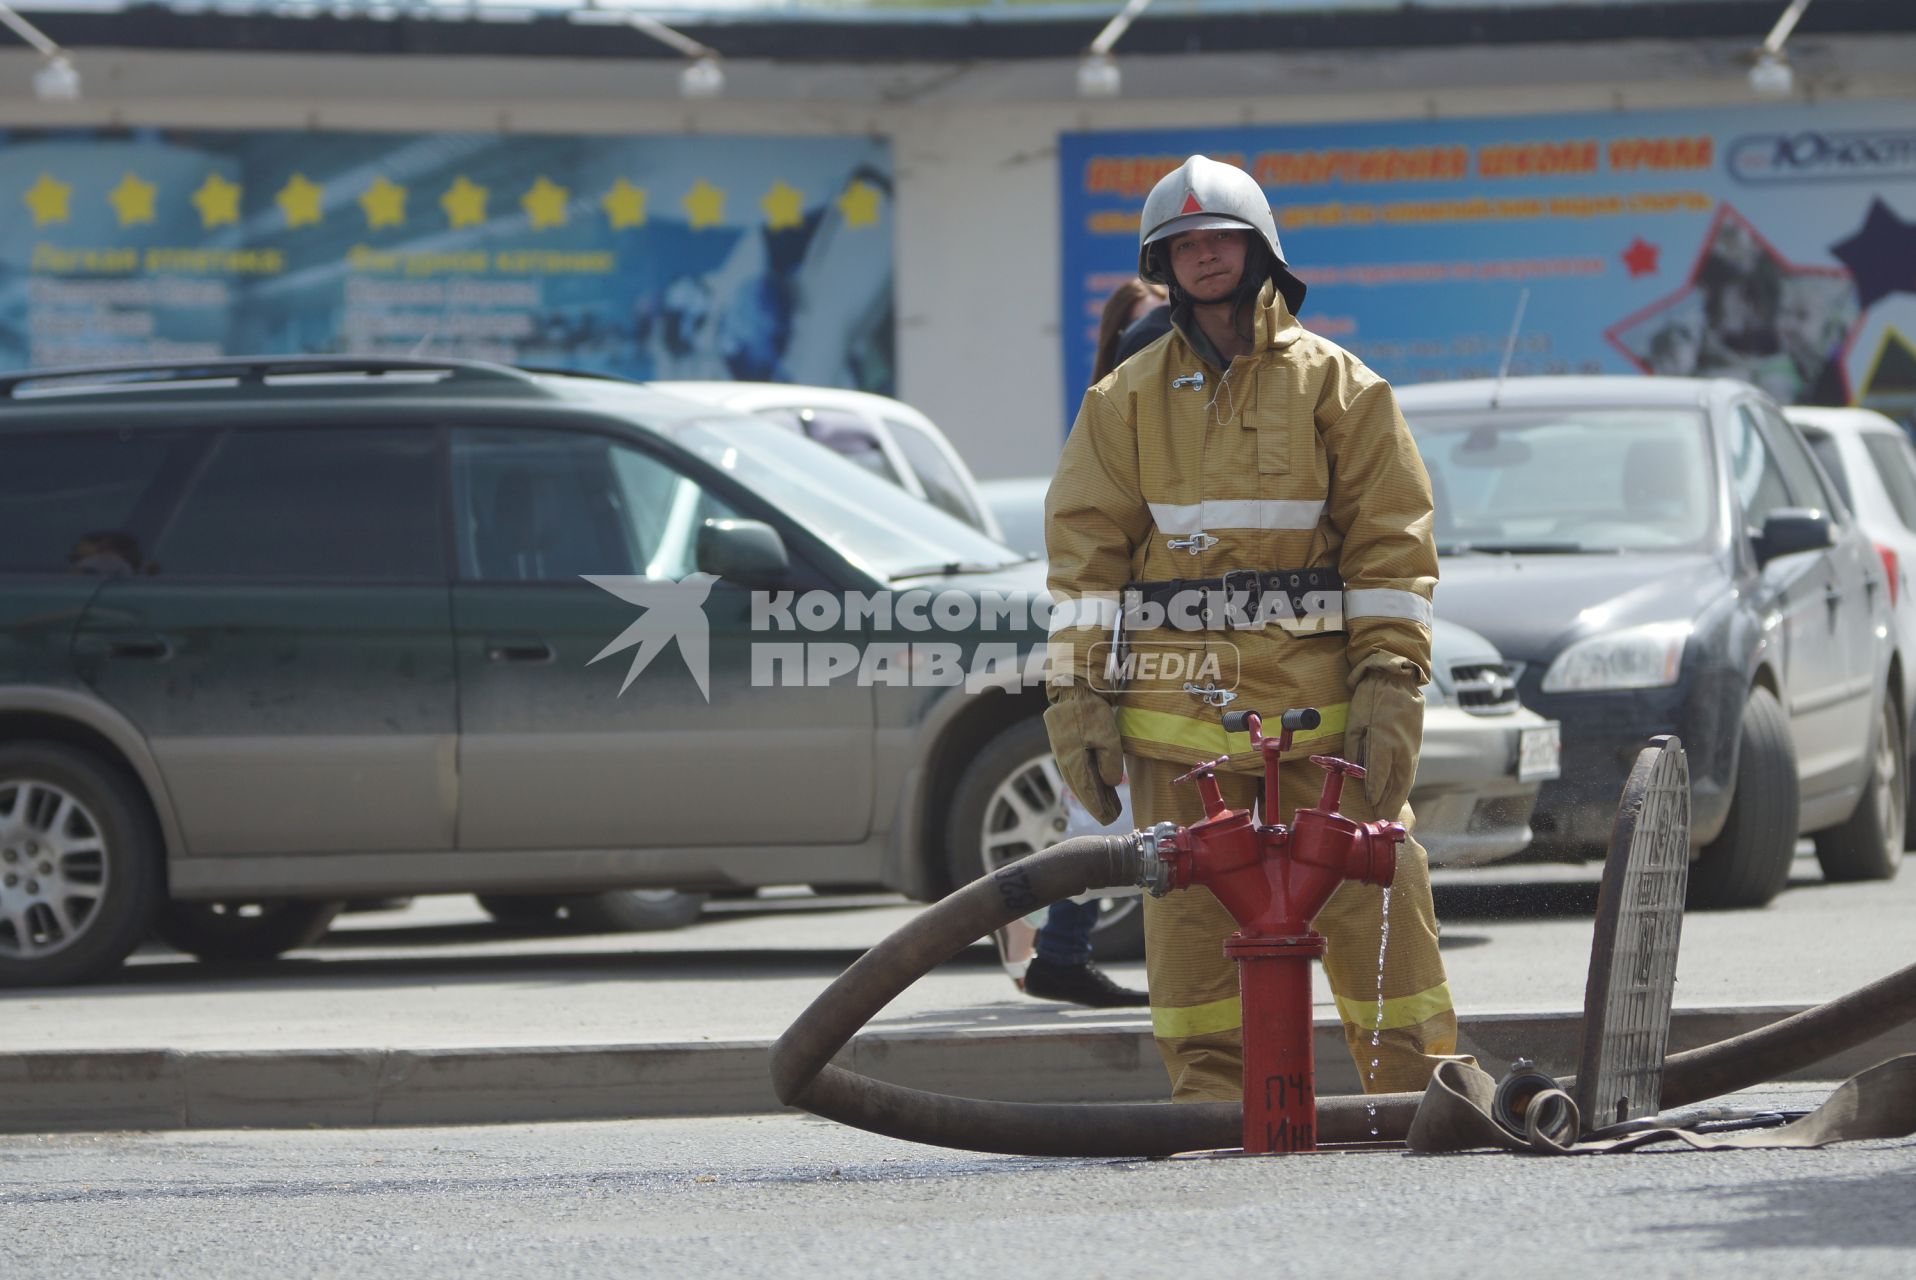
[[1539, 753]]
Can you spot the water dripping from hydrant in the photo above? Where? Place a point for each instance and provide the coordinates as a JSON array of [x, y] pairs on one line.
[[1377, 1023]]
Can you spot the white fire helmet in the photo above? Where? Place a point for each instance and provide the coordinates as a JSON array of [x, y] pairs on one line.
[[1203, 194]]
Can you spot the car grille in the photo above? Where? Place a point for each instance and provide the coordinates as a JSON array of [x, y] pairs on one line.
[[1486, 688]]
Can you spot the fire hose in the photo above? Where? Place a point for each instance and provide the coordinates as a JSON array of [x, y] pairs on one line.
[[803, 1074]]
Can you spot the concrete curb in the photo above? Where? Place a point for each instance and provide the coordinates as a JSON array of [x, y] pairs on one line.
[[57, 1091]]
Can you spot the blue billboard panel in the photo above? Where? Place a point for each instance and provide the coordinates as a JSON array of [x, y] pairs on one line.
[[707, 257], [1774, 244]]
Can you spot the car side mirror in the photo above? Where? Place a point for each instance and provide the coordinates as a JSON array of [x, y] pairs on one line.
[[1789, 530], [748, 552]]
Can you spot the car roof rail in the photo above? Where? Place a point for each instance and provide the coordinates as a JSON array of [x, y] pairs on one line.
[[247, 371]]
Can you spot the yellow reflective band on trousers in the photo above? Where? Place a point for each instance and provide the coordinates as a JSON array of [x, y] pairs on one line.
[[1208, 736], [1197, 1019], [1403, 1011]]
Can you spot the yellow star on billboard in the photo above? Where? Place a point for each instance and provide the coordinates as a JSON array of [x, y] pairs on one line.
[[384, 203], [464, 203], [784, 207], [47, 198], [704, 205], [218, 202], [132, 200], [859, 204], [299, 201], [545, 204], [624, 205]]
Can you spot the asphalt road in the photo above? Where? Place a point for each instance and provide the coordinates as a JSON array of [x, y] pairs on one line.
[[788, 1196]]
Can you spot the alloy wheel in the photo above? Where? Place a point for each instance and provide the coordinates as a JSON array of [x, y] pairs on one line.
[[1026, 814], [53, 869]]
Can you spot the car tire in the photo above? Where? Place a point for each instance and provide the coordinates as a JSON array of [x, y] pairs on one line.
[[236, 931], [1869, 845], [634, 910], [520, 908], [1748, 863], [109, 855], [1008, 805]]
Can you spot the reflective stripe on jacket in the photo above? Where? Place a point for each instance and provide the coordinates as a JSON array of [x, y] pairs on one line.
[[1295, 458]]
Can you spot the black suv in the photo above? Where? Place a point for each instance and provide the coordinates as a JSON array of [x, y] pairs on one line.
[[278, 633]]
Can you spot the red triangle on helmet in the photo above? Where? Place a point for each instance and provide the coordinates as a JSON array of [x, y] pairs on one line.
[[1191, 204]]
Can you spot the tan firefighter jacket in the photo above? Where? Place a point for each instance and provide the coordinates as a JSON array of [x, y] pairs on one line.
[[1297, 458]]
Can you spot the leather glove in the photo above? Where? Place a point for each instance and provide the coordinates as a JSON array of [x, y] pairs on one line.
[[1384, 732], [1084, 738]]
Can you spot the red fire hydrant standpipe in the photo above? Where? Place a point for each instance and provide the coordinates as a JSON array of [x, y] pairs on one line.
[[1274, 879]]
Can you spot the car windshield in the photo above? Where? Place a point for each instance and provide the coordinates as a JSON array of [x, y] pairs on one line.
[[1569, 481]]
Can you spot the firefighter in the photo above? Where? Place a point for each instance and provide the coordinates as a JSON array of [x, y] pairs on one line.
[[1242, 461]]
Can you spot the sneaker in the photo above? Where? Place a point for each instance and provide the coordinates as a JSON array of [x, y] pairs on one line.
[[1084, 984]]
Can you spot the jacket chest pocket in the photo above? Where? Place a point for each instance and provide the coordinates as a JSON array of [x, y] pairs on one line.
[[1273, 444]]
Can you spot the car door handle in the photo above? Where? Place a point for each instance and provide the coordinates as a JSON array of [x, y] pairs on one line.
[[145, 645], [504, 650]]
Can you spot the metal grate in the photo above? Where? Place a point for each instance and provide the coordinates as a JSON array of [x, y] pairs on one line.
[[1626, 1003]]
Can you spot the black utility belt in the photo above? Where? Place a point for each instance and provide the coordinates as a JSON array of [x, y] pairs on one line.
[[1306, 601]]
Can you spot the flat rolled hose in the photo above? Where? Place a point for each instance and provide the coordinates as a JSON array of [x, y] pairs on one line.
[[803, 1077]]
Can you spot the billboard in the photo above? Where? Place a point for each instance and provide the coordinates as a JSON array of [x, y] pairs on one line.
[[1775, 244], [668, 257]]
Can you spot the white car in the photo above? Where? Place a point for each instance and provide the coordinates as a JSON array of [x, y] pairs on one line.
[[1485, 755], [1870, 460], [885, 436]]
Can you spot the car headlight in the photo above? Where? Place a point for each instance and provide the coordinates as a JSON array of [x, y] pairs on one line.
[[1646, 657]]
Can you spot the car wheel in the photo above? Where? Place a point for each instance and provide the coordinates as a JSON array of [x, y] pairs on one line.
[[230, 931], [1869, 846], [520, 908], [1010, 804], [634, 910], [79, 865], [1749, 862]]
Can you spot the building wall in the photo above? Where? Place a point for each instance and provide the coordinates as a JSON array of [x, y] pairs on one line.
[[978, 192]]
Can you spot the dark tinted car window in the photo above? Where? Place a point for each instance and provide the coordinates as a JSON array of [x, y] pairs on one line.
[[339, 504], [1831, 456], [84, 501], [1897, 466], [555, 506], [1799, 471]]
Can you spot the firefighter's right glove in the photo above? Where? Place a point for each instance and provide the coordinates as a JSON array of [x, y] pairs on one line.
[[1084, 738], [1385, 734]]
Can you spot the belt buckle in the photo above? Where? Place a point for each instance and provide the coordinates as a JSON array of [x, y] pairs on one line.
[[1253, 592]]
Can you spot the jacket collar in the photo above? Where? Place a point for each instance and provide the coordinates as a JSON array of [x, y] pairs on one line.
[[1272, 327]]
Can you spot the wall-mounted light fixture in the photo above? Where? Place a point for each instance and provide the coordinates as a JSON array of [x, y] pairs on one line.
[[1770, 73], [702, 76], [56, 80], [1098, 74]]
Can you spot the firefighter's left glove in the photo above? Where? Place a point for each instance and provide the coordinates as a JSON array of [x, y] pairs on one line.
[[1084, 737], [1384, 732]]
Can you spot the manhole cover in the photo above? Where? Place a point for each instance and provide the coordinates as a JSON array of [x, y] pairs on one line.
[[1626, 1002]]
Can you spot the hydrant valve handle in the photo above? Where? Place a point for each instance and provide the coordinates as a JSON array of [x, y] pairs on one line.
[[1337, 764]]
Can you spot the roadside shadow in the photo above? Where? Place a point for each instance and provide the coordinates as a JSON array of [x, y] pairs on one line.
[[1494, 902], [1848, 1212]]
